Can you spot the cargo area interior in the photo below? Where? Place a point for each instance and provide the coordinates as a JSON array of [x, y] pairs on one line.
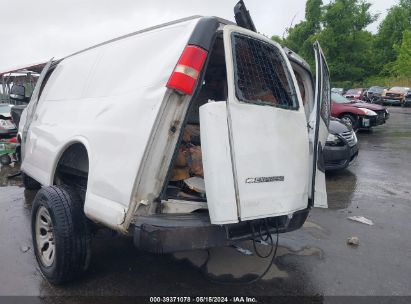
[[186, 177]]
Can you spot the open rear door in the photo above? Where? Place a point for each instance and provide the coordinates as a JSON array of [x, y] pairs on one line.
[[318, 129], [260, 150]]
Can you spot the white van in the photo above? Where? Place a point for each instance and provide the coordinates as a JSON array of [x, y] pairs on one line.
[[187, 135]]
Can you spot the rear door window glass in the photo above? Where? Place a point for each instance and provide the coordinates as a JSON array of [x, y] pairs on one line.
[[261, 73], [326, 101]]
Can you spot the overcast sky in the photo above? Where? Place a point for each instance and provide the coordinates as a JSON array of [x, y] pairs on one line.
[[35, 31]]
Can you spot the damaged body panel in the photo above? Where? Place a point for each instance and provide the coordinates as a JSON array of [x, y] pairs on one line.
[[109, 198]]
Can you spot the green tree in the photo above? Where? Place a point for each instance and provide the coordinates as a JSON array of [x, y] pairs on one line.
[[402, 65], [390, 32], [277, 39], [345, 41], [299, 37], [354, 54], [313, 15], [340, 27]]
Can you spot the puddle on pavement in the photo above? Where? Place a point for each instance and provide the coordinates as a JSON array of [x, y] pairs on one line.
[[341, 186], [224, 262]]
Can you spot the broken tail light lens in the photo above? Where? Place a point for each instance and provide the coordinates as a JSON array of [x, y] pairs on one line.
[[188, 69]]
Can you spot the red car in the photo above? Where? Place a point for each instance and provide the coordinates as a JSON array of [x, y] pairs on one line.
[[359, 115], [357, 94]]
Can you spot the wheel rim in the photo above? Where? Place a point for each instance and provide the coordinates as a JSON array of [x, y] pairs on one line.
[[46, 248], [347, 120]]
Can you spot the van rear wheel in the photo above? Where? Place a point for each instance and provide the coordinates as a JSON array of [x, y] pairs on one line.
[[61, 238]]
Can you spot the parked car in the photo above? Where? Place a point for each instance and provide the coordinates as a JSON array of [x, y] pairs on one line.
[[355, 94], [374, 94], [7, 127], [395, 96], [211, 67], [338, 90], [359, 115], [341, 147]]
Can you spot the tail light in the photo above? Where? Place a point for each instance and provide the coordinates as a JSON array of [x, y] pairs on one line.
[[187, 70]]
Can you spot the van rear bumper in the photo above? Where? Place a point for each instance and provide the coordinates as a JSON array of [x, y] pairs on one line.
[[165, 233]]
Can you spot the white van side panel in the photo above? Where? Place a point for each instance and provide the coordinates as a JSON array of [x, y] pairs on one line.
[[111, 97]]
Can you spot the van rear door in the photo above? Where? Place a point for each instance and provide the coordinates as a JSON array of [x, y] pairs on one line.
[[318, 129], [267, 135]]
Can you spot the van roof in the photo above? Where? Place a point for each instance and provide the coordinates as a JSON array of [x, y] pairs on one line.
[[215, 19]]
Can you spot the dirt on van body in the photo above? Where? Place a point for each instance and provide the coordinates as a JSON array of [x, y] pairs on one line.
[[313, 261]]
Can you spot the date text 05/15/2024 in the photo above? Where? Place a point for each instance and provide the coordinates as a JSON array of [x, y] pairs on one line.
[[199, 299]]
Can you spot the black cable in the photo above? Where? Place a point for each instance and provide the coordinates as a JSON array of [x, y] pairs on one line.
[[268, 237], [237, 282]]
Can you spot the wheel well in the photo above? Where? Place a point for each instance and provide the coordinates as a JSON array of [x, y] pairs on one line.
[[73, 167]]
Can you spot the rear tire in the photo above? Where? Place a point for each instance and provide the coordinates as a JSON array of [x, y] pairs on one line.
[[5, 159], [30, 183], [61, 237], [350, 120]]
